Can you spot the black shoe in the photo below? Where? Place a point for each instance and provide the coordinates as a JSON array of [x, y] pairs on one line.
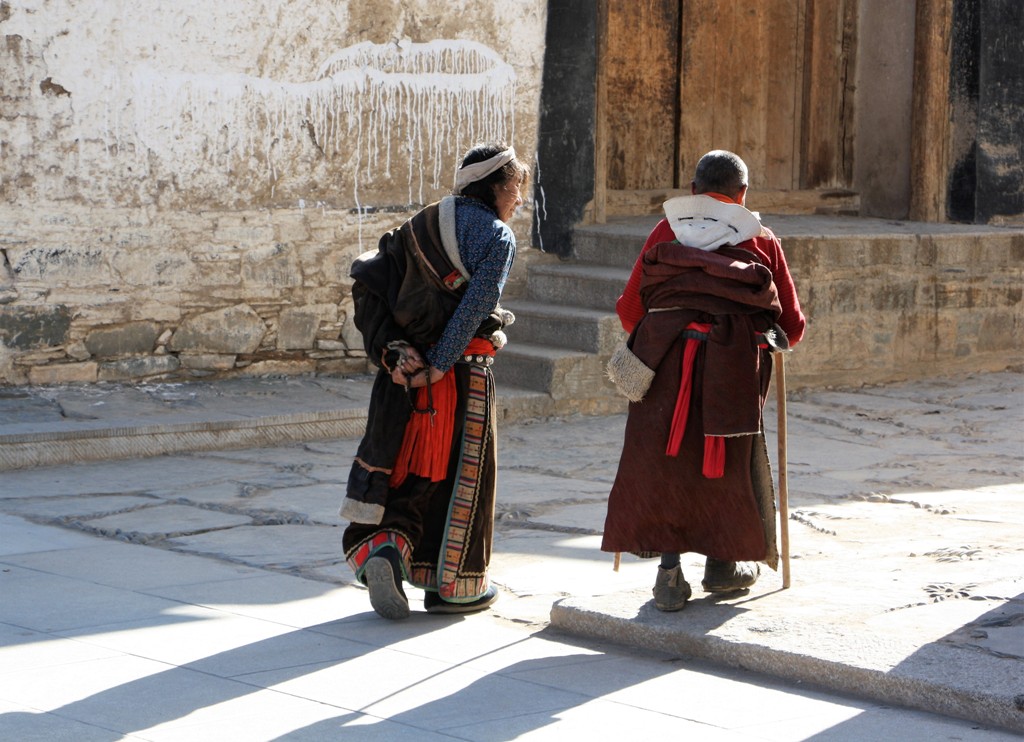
[[722, 576], [434, 603], [383, 578]]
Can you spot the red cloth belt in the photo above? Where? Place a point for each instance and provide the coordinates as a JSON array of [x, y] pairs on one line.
[[714, 445], [427, 442]]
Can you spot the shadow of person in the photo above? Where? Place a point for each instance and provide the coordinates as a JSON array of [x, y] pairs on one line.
[[180, 691], [504, 704]]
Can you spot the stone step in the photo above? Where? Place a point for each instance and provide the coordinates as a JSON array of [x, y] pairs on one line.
[[577, 284], [616, 244], [573, 328], [561, 373], [222, 416]]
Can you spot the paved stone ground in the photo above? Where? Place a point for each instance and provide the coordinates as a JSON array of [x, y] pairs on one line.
[[905, 525]]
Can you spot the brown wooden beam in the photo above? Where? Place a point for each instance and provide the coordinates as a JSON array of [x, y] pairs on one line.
[[597, 212], [931, 117], [821, 201]]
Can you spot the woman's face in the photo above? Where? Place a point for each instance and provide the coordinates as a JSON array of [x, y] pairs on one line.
[[508, 198]]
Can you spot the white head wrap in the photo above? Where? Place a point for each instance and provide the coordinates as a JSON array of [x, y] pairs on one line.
[[706, 223], [479, 170]]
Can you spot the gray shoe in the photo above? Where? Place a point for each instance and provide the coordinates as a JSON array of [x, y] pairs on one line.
[[722, 576], [671, 591], [386, 594]]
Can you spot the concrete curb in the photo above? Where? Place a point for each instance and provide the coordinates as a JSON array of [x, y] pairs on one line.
[[933, 678], [114, 441], [227, 421]]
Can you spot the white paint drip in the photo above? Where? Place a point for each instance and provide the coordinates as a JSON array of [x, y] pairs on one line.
[[432, 100], [540, 202]]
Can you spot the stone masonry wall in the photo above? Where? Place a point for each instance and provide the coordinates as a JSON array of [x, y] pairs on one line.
[[127, 294], [183, 186], [887, 308]]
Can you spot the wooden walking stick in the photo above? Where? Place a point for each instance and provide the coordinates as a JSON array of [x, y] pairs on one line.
[[780, 391]]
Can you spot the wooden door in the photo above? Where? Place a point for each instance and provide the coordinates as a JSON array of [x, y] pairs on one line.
[[770, 80], [641, 69]]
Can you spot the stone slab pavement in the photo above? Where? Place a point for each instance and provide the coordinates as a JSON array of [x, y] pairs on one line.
[[202, 595]]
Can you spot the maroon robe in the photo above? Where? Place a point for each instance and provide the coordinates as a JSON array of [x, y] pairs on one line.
[[661, 503]]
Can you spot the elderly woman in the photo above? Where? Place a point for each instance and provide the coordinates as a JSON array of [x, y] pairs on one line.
[[420, 494]]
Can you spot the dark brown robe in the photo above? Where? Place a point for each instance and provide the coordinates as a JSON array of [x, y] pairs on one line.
[[662, 503]]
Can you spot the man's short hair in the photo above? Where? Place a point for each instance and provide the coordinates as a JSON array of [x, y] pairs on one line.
[[720, 171]]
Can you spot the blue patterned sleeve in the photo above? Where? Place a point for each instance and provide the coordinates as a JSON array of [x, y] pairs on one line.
[[487, 248]]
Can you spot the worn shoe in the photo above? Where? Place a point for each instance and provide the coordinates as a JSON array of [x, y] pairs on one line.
[[724, 577], [671, 591], [434, 603], [383, 577]]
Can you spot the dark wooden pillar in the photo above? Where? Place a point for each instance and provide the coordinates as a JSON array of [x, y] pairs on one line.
[[985, 178], [564, 175], [1000, 151]]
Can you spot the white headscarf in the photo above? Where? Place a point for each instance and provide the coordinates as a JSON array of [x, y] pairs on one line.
[[479, 170], [706, 223]]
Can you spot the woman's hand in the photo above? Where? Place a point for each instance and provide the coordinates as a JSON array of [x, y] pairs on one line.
[[420, 378], [399, 376], [410, 363]]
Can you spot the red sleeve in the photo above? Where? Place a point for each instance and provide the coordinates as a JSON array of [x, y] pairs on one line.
[[629, 307], [792, 320]]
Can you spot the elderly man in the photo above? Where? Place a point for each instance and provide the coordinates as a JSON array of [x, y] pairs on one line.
[[710, 297]]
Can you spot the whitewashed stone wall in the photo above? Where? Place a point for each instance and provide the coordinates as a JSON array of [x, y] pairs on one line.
[[183, 186]]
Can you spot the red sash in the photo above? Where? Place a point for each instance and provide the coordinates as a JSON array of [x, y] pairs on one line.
[[427, 442]]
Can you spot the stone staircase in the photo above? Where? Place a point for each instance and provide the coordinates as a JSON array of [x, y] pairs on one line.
[[566, 328], [886, 301]]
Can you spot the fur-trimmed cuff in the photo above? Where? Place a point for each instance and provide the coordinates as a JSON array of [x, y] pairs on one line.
[[630, 375], [361, 512]]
